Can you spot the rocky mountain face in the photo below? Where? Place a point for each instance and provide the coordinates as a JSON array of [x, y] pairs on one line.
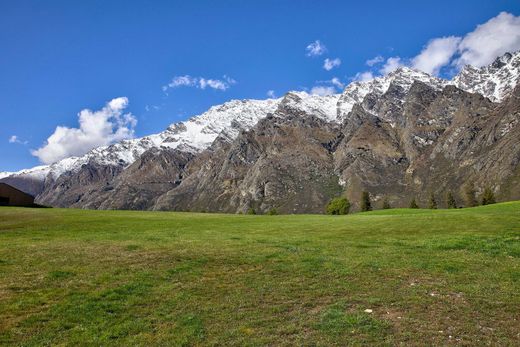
[[495, 81], [401, 136]]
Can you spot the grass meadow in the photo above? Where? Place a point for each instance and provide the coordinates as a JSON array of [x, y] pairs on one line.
[[416, 277]]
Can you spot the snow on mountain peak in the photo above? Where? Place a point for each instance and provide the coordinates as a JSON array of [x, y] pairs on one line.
[[403, 76], [324, 107], [200, 131], [37, 172], [193, 135], [495, 81], [5, 174]]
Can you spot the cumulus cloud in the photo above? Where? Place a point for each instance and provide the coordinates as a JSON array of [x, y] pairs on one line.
[[96, 128], [15, 139], [271, 94], [200, 82], [323, 90], [375, 60], [480, 47], [315, 48], [495, 37], [436, 54], [391, 64], [329, 64]]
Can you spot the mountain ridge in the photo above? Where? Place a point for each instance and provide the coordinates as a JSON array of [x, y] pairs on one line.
[[352, 94], [382, 97]]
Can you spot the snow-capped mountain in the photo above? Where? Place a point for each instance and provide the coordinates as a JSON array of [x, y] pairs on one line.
[[192, 135], [37, 172], [403, 77], [495, 81], [324, 107]]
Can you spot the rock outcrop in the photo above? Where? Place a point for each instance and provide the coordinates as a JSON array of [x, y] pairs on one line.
[[402, 136]]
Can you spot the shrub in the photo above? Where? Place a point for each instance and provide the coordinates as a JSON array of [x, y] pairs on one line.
[[469, 195], [366, 205], [338, 206], [488, 197], [450, 200], [432, 203], [413, 204], [272, 212], [251, 211], [386, 204]]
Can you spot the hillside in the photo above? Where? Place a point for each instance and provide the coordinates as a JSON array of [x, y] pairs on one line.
[[76, 277], [399, 136]]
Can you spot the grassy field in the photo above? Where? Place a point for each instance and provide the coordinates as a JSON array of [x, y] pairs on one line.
[[73, 277]]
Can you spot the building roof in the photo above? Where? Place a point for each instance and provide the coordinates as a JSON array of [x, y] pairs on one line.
[[18, 190]]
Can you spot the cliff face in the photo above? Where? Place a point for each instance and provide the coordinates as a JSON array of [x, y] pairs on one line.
[[284, 162], [433, 142], [402, 136]]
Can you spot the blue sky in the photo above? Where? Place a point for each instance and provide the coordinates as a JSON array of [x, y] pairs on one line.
[[60, 57]]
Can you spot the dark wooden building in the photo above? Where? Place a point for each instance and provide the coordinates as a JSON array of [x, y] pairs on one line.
[[10, 196]]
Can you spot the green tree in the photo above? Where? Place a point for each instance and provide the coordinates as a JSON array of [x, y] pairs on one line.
[[386, 204], [366, 205], [488, 197], [251, 211], [432, 203], [413, 204], [338, 206], [469, 195], [272, 212], [450, 200]]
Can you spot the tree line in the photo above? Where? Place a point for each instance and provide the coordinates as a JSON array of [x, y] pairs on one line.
[[341, 205]]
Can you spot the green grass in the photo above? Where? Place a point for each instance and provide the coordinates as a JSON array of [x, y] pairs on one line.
[[73, 277]]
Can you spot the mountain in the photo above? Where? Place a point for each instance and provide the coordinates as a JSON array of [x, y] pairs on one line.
[[399, 136], [495, 81]]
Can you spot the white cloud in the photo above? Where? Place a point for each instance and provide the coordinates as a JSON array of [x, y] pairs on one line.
[[199, 82], [323, 90], [149, 108], [15, 139], [329, 64], [315, 48], [480, 47], [364, 76], [96, 128], [375, 60], [336, 82], [180, 81], [391, 64], [436, 54], [229, 80], [271, 94], [215, 84], [327, 87], [495, 37]]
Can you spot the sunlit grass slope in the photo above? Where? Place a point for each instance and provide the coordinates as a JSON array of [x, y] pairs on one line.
[[74, 277]]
